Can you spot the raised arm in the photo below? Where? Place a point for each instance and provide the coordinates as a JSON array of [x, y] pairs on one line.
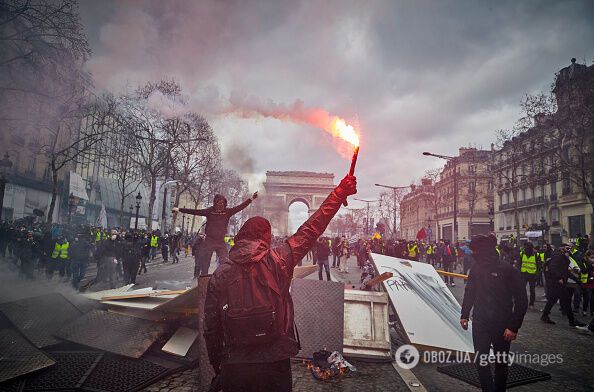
[[305, 237], [234, 210], [200, 212]]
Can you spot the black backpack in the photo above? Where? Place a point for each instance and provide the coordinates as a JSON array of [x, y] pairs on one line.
[[248, 312]]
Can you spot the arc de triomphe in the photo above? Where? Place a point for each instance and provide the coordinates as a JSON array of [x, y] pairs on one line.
[[283, 188]]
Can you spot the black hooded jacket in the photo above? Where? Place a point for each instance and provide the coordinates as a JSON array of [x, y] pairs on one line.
[[272, 267], [217, 222], [496, 292]]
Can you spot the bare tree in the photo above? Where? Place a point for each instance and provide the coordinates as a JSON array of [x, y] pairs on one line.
[[122, 166], [68, 141], [193, 151], [153, 148], [37, 31], [438, 201], [389, 208]]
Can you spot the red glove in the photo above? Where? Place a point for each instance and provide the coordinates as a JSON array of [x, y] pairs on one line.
[[347, 187]]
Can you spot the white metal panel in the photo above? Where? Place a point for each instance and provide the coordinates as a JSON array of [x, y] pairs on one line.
[[181, 341], [428, 311]]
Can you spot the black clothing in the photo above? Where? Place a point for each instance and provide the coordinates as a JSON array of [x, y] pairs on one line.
[[496, 292], [275, 263], [257, 377], [217, 222], [558, 267], [530, 280], [483, 335], [558, 292]]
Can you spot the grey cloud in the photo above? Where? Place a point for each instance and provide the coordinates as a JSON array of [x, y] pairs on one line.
[[430, 75]]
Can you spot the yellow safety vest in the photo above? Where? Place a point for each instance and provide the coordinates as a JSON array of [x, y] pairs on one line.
[[56, 252], [60, 251], [498, 251], [64, 250], [528, 264], [98, 236], [412, 251], [154, 241], [429, 250]]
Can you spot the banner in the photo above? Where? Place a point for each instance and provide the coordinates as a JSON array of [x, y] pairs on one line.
[[77, 186], [102, 218]]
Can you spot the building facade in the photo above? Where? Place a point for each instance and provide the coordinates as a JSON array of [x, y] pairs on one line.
[[544, 176], [417, 210], [466, 182]]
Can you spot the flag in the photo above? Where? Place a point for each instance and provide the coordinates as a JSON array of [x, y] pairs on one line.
[[102, 218], [421, 234]]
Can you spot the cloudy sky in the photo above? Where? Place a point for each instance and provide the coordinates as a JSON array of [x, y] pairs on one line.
[[414, 75]]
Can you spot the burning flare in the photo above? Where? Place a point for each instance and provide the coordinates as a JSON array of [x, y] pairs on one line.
[[346, 132], [249, 107]]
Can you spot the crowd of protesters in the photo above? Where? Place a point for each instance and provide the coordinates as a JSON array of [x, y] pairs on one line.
[[565, 272], [65, 252]]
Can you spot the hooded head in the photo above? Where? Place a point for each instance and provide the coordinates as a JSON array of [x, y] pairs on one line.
[[220, 203], [483, 247], [529, 249], [252, 242]]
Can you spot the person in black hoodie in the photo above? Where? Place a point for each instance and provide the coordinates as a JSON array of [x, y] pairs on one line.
[[497, 293], [217, 220], [557, 273]]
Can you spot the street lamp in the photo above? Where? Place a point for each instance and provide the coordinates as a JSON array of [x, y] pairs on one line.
[[5, 165], [544, 227], [70, 205], [183, 223], [368, 202], [164, 212], [455, 164], [394, 189], [491, 217], [138, 199]]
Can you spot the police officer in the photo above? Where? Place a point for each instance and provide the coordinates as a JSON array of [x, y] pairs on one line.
[[130, 258], [80, 251], [496, 293]]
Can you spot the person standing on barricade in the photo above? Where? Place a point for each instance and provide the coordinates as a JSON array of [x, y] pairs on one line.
[[217, 221]]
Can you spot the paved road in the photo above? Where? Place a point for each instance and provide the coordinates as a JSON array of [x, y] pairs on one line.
[[574, 374]]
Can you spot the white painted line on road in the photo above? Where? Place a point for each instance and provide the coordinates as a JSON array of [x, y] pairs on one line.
[[409, 378]]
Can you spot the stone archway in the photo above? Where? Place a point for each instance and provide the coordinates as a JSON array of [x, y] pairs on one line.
[[283, 188]]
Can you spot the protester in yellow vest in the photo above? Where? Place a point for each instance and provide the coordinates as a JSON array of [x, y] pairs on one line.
[[528, 268], [154, 245], [58, 258], [413, 251]]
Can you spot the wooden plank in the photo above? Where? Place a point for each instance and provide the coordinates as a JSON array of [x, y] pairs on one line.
[[181, 341], [452, 274], [156, 293], [379, 279], [305, 270], [98, 294], [138, 303]]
